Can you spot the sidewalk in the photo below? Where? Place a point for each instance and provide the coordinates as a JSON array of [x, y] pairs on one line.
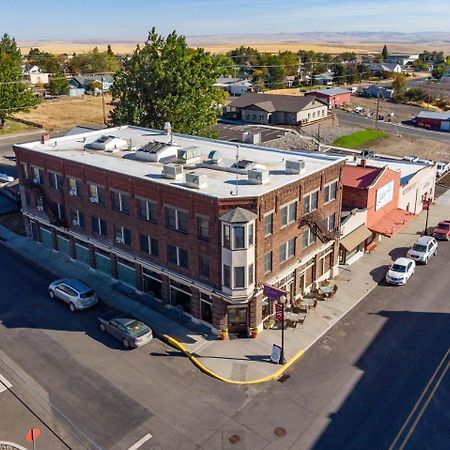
[[243, 361]]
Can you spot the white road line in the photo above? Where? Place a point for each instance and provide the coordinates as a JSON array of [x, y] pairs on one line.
[[141, 442], [5, 382]]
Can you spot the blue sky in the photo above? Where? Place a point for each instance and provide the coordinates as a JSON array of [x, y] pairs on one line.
[[131, 19]]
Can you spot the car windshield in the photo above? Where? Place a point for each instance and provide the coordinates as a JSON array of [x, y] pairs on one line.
[[444, 226], [420, 248], [136, 327], [398, 268], [87, 294]]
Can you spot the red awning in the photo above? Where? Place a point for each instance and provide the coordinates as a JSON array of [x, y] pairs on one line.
[[392, 222]]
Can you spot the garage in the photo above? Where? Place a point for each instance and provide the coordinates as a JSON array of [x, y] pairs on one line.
[[63, 243], [46, 237], [82, 253], [126, 272], [103, 262]]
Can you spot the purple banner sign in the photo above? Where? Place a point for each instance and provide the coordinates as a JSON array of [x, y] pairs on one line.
[[273, 293]]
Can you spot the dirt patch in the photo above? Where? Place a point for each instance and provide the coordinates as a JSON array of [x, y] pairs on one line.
[[64, 113]]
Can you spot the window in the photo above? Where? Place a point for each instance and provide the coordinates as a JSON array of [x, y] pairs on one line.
[[267, 262], [226, 236], [287, 250], [176, 219], [330, 222], [75, 187], [226, 276], [77, 218], [330, 192], [99, 226], [122, 235], [148, 245], [239, 233], [96, 194], [55, 180], [308, 238], [177, 256], [288, 214], [37, 174], [206, 308], [239, 274], [251, 234], [310, 202], [147, 210], [250, 274], [24, 170], [120, 201], [203, 227], [268, 224], [59, 210], [204, 266]]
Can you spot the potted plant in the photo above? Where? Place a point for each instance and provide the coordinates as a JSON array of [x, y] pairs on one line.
[[223, 334], [254, 332]]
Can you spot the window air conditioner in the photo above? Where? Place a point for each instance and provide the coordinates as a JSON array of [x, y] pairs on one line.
[[119, 239], [37, 180], [75, 222], [93, 199], [73, 192]]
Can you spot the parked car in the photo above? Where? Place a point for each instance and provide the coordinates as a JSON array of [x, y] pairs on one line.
[[4, 178], [442, 231], [441, 168], [380, 117], [400, 271], [368, 153], [131, 332], [75, 293], [410, 158], [423, 249]]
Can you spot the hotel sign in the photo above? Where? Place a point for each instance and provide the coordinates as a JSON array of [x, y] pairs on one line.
[[384, 195]]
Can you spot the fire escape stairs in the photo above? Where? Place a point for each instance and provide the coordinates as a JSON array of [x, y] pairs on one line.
[[317, 224]]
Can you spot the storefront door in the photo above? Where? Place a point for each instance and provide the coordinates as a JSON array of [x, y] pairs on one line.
[[237, 319]]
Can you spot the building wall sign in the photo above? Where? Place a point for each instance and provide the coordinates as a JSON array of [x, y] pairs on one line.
[[384, 195]]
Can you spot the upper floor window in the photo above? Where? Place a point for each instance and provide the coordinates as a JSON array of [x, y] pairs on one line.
[[287, 250], [120, 201], [77, 218], [177, 255], [37, 174], [122, 235], [204, 265], [203, 227], [75, 189], [330, 192], [24, 170], [268, 224], [330, 222], [239, 277], [227, 276], [176, 219], [310, 202], [267, 262], [251, 234], [55, 180], [147, 210], [288, 213], [239, 237], [308, 238], [96, 194], [227, 236], [149, 245], [99, 226]]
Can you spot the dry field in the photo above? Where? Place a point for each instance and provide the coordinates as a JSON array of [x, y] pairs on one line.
[[65, 113]]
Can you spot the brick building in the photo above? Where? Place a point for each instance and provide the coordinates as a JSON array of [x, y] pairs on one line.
[[197, 223], [333, 96]]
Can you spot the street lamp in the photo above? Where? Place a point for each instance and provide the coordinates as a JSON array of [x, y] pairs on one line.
[[426, 205], [283, 300]]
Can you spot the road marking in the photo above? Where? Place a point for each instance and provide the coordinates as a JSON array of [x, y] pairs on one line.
[[140, 442], [4, 384], [422, 410]]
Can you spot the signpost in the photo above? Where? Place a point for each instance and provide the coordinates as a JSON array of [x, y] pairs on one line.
[[32, 435], [426, 207]]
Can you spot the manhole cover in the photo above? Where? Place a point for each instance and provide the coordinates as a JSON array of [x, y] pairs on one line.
[[234, 439], [279, 432]]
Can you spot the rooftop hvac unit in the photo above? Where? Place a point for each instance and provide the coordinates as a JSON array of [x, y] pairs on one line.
[[173, 171], [155, 151], [258, 176], [295, 166], [109, 144], [196, 180], [251, 138], [214, 157], [189, 154]]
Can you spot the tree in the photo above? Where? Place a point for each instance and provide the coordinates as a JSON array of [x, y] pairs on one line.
[[339, 72], [58, 85], [276, 73], [419, 65], [439, 71], [385, 54], [47, 62], [94, 61], [164, 81], [399, 86], [15, 95]]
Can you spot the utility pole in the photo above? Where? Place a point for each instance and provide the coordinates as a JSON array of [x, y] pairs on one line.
[[103, 103], [378, 108], [318, 137]]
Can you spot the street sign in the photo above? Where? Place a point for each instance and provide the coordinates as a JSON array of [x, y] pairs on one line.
[[425, 205], [33, 434], [278, 311], [276, 354]]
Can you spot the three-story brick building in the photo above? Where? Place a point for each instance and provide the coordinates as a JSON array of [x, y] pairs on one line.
[[199, 224]]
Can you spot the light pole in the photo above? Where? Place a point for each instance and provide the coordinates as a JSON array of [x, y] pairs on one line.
[[426, 204], [283, 300]]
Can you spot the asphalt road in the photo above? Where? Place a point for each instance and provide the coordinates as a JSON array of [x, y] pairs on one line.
[[354, 389], [362, 121]]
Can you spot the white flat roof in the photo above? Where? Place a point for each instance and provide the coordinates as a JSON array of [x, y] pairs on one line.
[[221, 183]]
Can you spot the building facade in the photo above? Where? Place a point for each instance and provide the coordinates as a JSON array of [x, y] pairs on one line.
[[333, 97], [198, 224]]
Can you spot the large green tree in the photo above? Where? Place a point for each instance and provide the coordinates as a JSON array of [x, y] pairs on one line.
[[385, 54], [439, 71], [15, 95], [165, 81], [58, 84], [94, 61]]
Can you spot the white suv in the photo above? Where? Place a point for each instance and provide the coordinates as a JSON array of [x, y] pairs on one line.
[[423, 249]]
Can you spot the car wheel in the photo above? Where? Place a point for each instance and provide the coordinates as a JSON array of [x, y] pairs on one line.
[[126, 343], [435, 253], [72, 307], [51, 294], [426, 261], [102, 327]]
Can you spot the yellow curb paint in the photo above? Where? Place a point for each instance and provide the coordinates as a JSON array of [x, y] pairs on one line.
[[209, 372]]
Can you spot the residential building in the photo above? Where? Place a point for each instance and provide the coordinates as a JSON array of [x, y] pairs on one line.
[[433, 120], [402, 59], [235, 86], [382, 69], [197, 223], [277, 109], [374, 91], [324, 79], [333, 97], [81, 84]]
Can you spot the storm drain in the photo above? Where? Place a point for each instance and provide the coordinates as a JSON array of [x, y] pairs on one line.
[[234, 439], [283, 378]]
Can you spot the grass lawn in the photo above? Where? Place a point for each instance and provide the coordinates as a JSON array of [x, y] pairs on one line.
[[15, 127], [358, 139]]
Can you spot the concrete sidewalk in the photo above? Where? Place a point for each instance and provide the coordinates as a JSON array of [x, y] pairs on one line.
[[241, 360]]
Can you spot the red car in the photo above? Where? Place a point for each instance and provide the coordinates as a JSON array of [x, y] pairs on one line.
[[442, 231]]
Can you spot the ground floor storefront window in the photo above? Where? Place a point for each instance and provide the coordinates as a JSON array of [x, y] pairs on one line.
[[152, 283], [181, 296], [206, 308]]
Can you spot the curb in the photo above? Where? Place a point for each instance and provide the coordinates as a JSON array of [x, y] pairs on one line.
[[179, 346]]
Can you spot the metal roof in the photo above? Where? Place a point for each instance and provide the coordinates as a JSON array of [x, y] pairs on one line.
[[329, 91], [238, 215], [360, 177], [434, 115]]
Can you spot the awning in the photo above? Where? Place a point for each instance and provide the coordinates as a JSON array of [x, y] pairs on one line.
[[392, 222], [355, 238]]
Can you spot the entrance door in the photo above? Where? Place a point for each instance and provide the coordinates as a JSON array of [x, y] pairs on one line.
[[237, 320]]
